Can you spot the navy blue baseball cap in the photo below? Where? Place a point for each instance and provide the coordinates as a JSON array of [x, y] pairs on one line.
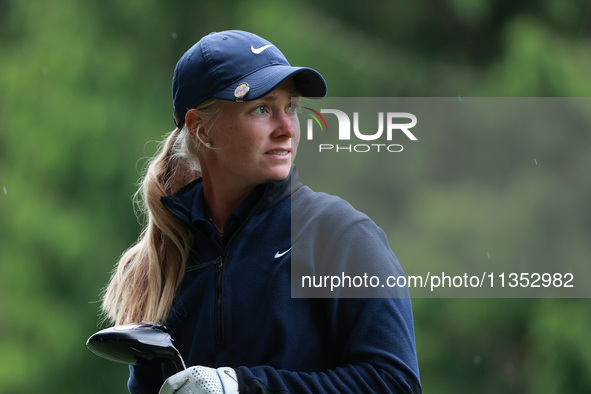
[[235, 65]]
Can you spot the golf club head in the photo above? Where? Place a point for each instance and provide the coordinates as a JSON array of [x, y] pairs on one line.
[[130, 343]]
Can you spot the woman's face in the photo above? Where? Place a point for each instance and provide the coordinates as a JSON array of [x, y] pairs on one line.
[[255, 141]]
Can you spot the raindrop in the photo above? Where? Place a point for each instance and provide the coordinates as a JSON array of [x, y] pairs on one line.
[[488, 255], [460, 98], [535, 161], [476, 359], [4, 187], [174, 36]]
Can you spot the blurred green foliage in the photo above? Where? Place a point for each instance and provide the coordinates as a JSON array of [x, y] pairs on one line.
[[84, 85]]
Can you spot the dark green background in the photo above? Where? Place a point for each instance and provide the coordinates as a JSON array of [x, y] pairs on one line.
[[84, 85]]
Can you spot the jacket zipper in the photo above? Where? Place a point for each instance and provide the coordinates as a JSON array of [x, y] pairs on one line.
[[219, 285], [219, 304]]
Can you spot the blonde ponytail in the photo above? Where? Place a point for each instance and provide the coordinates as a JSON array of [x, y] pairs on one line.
[[148, 274]]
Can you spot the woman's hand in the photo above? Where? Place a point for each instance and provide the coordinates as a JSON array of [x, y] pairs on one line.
[[202, 380]]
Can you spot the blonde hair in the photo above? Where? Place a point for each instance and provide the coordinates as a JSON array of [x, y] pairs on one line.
[[145, 280]]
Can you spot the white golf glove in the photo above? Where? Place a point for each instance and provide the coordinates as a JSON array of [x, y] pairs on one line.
[[202, 380]]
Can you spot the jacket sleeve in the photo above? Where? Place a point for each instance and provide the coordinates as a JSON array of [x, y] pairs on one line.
[[378, 355], [371, 326], [145, 378]]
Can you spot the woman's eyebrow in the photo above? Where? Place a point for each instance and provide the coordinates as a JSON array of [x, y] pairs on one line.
[[273, 96]]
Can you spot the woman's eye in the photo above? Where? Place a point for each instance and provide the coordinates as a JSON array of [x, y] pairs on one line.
[[292, 108], [259, 109]]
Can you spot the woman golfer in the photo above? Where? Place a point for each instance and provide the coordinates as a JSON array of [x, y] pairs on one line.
[[230, 228]]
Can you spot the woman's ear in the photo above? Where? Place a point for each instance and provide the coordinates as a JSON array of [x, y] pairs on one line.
[[194, 119]]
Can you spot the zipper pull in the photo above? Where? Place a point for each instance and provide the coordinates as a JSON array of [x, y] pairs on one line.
[[219, 262]]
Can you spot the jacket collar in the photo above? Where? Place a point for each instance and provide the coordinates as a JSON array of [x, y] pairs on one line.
[[187, 203]]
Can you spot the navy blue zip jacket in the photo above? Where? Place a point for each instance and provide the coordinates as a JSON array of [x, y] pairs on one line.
[[235, 306]]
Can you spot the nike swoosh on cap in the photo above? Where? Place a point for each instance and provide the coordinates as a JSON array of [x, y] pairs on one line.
[[257, 51], [279, 254]]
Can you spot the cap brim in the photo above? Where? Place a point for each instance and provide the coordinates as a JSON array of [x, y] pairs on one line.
[[309, 82]]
